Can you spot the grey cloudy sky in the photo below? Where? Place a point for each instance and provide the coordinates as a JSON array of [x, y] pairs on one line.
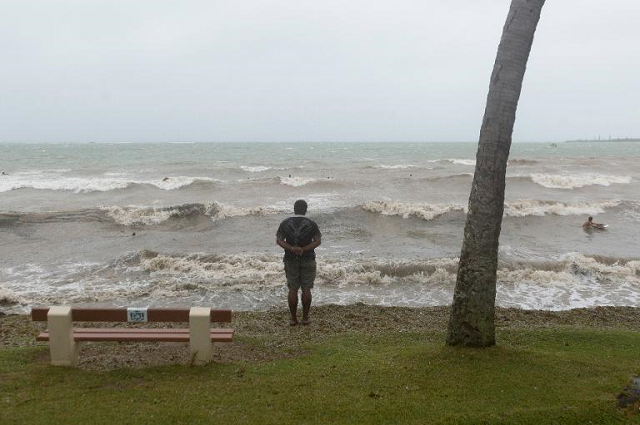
[[359, 70]]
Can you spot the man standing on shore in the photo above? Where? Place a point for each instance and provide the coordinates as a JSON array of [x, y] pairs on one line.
[[299, 236]]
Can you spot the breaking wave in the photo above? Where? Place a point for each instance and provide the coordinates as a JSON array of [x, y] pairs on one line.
[[395, 167], [254, 271], [519, 208], [529, 207], [255, 169], [143, 215], [558, 181], [406, 210], [296, 181], [256, 281], [45, 181]]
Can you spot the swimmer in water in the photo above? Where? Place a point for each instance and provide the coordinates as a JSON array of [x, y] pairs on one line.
[[591, 224]]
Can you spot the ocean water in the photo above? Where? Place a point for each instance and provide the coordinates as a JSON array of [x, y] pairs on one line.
[[392, 215]]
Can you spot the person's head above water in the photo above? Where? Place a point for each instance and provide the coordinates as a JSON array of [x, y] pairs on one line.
[[590, 219], [300, 207]]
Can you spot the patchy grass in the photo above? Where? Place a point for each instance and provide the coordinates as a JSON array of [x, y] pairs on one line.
[[550, 374]]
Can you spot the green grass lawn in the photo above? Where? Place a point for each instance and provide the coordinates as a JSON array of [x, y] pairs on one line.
[[542, 376]]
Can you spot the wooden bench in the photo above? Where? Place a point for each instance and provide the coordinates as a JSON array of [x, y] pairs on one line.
[[64, 339]]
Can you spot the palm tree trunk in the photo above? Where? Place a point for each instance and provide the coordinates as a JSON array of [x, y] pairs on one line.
[[472, 312]]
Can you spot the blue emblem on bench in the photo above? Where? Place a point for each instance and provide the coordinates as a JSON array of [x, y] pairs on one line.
[[136, 314]]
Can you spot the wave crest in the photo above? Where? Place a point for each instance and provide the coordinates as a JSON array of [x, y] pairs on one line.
[[519, 208], [558, 181], [44, 181], [529, 207], [254, 169], [144, 215], [296, 181], [395, 167], [257, 281], [406, 210], [236, 272]]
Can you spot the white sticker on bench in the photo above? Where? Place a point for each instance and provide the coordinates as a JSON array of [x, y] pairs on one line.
[[136, 314]]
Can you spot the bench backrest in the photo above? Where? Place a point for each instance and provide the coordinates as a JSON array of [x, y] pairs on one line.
[[120, 314]]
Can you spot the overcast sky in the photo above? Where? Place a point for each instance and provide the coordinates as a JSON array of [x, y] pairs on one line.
[[348, 70]]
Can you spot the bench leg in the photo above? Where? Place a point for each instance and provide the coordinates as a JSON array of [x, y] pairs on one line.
[[63, 348], [200, 335]]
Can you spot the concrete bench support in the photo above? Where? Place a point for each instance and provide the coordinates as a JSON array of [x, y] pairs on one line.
[[64, 350], [199, 335]]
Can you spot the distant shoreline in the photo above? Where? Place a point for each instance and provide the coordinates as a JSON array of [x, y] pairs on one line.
[[604, 140]]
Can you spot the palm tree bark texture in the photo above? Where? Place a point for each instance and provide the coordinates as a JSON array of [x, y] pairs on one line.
[[472, 313]]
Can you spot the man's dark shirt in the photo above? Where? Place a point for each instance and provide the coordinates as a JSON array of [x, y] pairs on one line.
[[298, 231]]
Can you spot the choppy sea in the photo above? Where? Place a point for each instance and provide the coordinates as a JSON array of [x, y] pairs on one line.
[[194, 223]]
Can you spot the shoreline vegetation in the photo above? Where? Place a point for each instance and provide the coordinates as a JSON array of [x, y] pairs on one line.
[[354, 364]]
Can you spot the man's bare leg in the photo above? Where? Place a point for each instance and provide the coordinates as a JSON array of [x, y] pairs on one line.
[[293, 306], [306, 305]]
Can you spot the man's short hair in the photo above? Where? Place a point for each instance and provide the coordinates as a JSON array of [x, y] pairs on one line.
[[590, 218], [300, 207]]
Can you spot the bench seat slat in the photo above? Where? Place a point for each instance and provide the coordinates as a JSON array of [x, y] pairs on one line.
[[217, 335], [119, 314], [143, 331]]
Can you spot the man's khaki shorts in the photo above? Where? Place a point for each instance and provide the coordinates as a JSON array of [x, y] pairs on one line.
[[300, 273]]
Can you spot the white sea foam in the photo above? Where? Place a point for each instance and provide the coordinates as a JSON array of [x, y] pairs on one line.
[[72, 184], [43, 181], [254, 169], [577, 281], [396, 167], [219, 210], [632, 214], [296, 181], [530, 207], [252, 271], [147, 215], [406, 210], [519, 208], [461, 161], [8, 298], [178, 182], [71, 283], [582, 264], [559, 181], [140, 215], [256, 281], [235, 272]]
